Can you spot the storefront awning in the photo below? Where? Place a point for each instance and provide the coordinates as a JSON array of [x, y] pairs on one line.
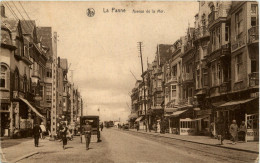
[[132, 116], [156, 107], [33, 109], [170, 109], [232, 103], [139, 119], [177, 113]]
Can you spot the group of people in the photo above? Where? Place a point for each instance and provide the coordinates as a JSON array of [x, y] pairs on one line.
[[234, 131]]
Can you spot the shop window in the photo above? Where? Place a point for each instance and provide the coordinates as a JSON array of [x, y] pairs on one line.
[[239, 63], [3, 77], [239, 23]]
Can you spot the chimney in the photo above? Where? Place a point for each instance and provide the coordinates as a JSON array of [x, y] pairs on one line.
[[3, 11]]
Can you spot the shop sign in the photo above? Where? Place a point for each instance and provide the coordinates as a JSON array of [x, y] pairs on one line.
[[252, 134], [38, 98]]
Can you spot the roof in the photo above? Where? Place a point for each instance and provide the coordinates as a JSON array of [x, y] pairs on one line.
[[11, 24], [45, 37], [164, 51], [27, 26], [231, 103], [64, 63], [177, 113]]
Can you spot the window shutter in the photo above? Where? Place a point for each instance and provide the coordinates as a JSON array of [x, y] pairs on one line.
[[8, 80]]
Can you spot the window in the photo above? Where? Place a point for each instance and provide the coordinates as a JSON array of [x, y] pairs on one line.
[[254, 9], [253, 21], [41, 91], [239, 24], [253, 66], [239, 63], [25, 87], [174, 70], [198, 78], [48, 94], [227, 33], [48, 73], [205, 77], [16, 81], [3, 77], [219, 73], [213, 72], [173, 90]]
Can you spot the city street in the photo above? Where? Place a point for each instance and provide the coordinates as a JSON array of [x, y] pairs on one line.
[[127, 146]]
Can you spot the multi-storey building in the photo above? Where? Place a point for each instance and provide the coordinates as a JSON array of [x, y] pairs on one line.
[[134, 104]]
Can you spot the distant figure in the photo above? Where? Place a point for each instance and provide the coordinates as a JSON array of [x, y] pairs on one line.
[[155, 127], [220, 128], [233, 131], [101, 126], [87, 129], [137, 127], [242, 131], [36, 133], [43, 128], [64, 135]]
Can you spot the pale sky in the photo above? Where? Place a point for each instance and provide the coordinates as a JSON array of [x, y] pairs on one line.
[[103, 49]]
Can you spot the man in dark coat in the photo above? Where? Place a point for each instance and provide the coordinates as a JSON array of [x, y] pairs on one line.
[[220, 128], [36, 133], [87, 129]]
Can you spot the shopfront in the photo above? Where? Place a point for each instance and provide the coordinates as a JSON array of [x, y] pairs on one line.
[[204, 120]]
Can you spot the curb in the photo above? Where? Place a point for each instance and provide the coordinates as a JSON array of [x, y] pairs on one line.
[[238, 149], [24, 156]]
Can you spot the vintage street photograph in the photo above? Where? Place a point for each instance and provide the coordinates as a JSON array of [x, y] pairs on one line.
[[129, 81]]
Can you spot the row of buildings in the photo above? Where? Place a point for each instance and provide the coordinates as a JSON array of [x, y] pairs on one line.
[[34, 86], [209, 74]]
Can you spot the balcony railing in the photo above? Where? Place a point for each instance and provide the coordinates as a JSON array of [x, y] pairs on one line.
[[201, 32], [253, 79], [188, 47], [212, 17], [253, 34], [187, 76], [225, 87]]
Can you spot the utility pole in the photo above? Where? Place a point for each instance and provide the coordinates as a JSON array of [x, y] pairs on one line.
[[141, 56]]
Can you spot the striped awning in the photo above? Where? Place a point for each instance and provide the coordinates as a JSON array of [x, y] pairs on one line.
[[33, 109]]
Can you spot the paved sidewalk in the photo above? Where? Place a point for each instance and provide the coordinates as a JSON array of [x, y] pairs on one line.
[[249, 146], [27, 148]]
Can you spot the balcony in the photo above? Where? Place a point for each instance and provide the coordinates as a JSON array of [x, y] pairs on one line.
[[187, 77], [171, 79], [225, 87], [188, 47], [253, 79], [253, 35], [201, 32], [212, 17]]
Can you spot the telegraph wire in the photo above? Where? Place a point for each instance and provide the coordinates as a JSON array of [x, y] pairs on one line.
[[11, 10], [22, 16], [26, 13]]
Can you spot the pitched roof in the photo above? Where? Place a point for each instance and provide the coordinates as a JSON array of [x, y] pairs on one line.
[[64, 63], [45, 37], [165, 52], [27, 26], [11, 24]]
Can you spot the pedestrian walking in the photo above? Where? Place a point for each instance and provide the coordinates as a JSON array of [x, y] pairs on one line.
[[43, 128], [36, 134], [87, 129], [233, 130], [101, 126], [242, 131], [220, 128], [137, 126], [63, 134]]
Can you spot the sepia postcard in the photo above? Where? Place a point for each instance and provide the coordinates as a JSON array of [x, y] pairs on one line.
[[129, 81]]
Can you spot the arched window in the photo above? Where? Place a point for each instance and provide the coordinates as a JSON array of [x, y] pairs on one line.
[[16, 80], [3, 77]]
